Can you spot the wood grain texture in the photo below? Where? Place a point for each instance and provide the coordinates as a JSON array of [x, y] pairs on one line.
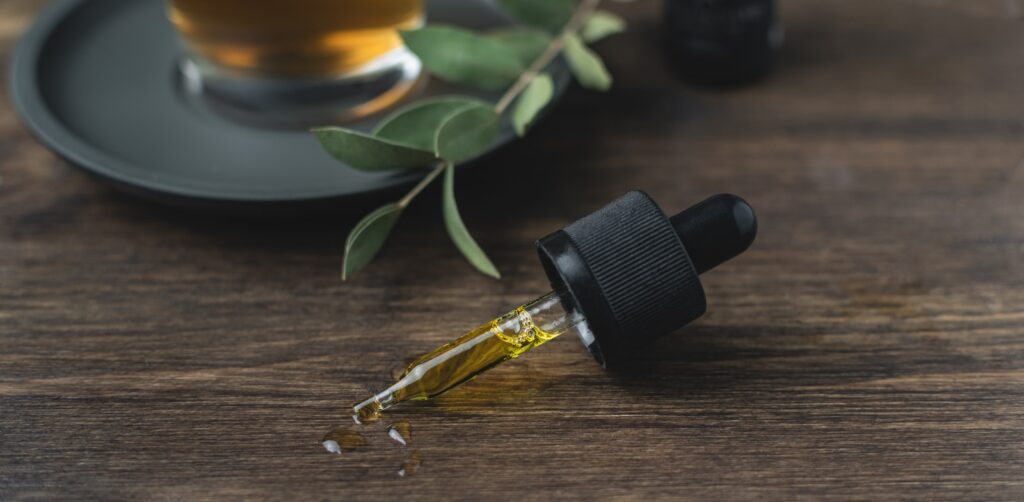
[[870, 345]]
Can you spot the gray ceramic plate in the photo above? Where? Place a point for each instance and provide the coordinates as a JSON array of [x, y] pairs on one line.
[[97, 82]]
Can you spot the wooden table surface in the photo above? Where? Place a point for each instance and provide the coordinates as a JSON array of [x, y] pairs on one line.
[[869, 345]]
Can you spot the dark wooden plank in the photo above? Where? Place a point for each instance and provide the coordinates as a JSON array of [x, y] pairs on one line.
[[870, 344]]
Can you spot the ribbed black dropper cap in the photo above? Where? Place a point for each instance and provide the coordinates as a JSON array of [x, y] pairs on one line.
[[633, 272]]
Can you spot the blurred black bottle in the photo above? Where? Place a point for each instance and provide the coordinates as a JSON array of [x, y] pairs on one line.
[[722, 42]]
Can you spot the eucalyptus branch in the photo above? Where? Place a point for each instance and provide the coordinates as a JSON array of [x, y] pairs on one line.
[[446, 130], [580, 16]]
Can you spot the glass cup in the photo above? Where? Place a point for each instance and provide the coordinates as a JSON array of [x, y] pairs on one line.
[[298, 62]]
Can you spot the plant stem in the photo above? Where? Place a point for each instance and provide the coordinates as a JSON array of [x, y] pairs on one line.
[[579, 16], [422, 184]]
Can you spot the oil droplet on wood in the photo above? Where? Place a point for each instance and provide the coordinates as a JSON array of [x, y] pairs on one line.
[[401, 432], [411, 464], [341, 439]]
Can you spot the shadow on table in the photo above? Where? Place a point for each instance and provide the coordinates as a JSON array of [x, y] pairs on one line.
[[708, 357]]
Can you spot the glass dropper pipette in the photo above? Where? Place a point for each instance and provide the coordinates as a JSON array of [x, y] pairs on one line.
[[623, 276]]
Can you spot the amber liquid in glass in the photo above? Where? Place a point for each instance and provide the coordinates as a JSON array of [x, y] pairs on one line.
[[294, 38]]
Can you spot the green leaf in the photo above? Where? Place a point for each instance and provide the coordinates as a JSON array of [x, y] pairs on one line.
[[368, 153], [466, 133], [528, 43], [367, 237], [457, 229], [533, 99], [464, 57], [416, 125], [586, 65], [600, 25], [548, 14]]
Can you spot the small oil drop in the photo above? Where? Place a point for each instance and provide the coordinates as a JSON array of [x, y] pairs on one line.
[[342, 439], [401, 432], [411, 464]]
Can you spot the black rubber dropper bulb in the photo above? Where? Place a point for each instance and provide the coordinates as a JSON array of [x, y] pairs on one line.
[[716, 230], [633, 273]]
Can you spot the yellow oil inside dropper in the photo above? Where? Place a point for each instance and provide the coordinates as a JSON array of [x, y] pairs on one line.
[[482, 348]]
